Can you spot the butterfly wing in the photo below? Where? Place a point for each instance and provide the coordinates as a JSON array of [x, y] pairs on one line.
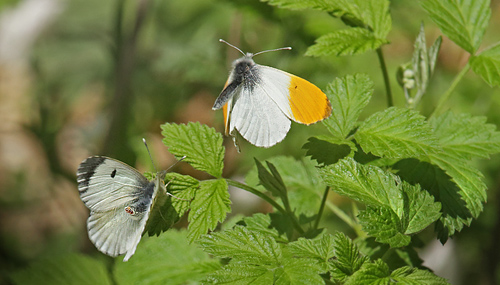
[[257, 117], [119, 199], [297, 98]]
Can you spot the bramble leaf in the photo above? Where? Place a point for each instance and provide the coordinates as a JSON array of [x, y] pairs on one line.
[[348, 259], [348, 96], [242, 245], [201, 145], [256, 257], [397, 133], [463, 21], [376, 272], [208, 208], [408, 275], [465, 136], [168, 210], [487, 65], [175, 262], [345, 42], [320, 249], [385, 225], [364, 183], [397, 209]]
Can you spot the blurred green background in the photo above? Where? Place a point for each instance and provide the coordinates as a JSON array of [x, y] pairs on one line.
[[87, 77]]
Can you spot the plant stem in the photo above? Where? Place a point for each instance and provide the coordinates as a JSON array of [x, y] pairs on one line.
[[321, 207], [344, 217], [266, 198], [446, 95], [386, 77]]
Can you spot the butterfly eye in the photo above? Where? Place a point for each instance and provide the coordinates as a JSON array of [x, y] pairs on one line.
[[130, 210]]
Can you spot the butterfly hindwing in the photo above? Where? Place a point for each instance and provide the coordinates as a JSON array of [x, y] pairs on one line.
[[257, 117]]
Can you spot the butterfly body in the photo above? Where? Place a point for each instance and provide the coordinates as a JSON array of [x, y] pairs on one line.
[[259, 101]]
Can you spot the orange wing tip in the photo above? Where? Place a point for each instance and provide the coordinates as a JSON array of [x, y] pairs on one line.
[[308, 103], [226, 119]]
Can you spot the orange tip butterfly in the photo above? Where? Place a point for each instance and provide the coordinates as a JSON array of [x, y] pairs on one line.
[[259, 101]]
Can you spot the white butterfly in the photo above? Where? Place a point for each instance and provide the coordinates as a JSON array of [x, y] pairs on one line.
[[120, 200], [259, 101]]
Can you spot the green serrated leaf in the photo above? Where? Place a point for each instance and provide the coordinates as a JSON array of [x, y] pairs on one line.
[[320, 249], [166, 213], [408, 275], [371, 273], [208, 208], [456, 202], [201, 145], [345, 42], [422, 209], [298, 271], [65, 269], [471, 192], [175, 262], [385, 225], [463, 21], [369, 14], [328, 150], [393, 227], [364, 183], [243, 246], [262, 223], [466, 136], [348, 96], [255, 258], [237, 273], [302, 4], [348, 259], [397, 133], [487, 65]]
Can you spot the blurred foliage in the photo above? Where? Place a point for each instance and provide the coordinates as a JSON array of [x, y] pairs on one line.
[[105, 73]]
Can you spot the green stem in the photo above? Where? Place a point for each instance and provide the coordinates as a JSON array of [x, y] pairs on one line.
[[321, 207], [387, 254], [446, 95], [344, 217], [380, 55], [266, 198]]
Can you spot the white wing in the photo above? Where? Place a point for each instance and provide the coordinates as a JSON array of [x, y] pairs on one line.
[[119, 199], [257, 117], [299, 99], [275, 83]]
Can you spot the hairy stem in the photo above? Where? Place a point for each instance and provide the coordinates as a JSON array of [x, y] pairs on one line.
[[266, 198], [321, 207], [381, 59], [442, 101]]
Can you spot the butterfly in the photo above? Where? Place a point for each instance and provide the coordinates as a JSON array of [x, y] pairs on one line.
[[119, 199], [259, 101]]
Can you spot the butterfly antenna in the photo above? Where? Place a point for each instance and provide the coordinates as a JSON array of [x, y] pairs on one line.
[[235, 47], [180, 159], [276, 49], [150, 157]]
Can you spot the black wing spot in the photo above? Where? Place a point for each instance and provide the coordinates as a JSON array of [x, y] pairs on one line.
[[113, 173]]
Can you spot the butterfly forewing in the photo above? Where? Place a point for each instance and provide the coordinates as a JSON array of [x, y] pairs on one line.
[[107, 184]]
